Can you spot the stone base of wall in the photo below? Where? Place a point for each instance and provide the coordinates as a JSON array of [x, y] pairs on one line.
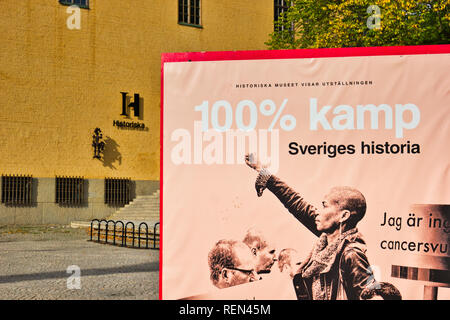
[[44, 210]]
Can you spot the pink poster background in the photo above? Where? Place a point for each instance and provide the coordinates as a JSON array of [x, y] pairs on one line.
[[203, 203]]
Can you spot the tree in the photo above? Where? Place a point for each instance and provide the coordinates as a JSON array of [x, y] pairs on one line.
[[352, 23]]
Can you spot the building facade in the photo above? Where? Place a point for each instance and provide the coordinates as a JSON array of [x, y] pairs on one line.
[[66, 71]]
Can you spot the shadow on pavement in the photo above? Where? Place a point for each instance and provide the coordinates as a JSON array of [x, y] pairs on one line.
[[143, 267]]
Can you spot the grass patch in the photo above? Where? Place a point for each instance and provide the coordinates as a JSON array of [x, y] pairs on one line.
[[33, 229]]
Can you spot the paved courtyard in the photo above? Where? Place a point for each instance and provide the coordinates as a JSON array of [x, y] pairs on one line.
[[34, 262]]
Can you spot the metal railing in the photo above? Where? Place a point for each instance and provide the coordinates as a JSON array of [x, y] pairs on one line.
[[126, 233]]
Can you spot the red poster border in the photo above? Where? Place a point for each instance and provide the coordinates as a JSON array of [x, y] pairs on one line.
[[270, 54]]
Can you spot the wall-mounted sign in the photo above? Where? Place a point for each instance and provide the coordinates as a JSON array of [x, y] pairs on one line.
[[126, 112], [135, 105], [128, 125]]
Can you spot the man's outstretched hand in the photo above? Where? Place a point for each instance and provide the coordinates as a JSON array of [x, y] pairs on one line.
[[252, 162]]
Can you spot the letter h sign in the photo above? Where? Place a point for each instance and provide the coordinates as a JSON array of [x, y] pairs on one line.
[[134, 104]]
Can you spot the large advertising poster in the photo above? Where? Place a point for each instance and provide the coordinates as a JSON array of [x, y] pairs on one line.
[[306, 174]]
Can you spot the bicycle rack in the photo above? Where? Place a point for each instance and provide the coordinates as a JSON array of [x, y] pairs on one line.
[[122, 230], [146, 235], [154, 235]]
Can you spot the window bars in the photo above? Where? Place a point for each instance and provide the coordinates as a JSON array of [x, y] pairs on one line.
[[117, 191], [69, 190], [17, 189], [280, 7]]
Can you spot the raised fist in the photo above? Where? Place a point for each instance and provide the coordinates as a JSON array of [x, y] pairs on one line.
[[252, 162]]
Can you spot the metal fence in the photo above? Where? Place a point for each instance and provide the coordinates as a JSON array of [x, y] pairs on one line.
[[124, 234]]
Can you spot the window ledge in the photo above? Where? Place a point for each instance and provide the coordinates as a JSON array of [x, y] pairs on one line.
[[64, 3], [190, 25]]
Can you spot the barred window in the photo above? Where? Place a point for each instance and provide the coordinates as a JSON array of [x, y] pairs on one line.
[[189, 12], [280, 6], [17, 189], [69, 190], [81, 3], [117, 191]]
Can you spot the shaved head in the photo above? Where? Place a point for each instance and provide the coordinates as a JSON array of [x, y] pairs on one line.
[[351, 199]]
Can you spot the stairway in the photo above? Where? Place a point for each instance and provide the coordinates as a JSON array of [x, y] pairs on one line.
[[141, 209]]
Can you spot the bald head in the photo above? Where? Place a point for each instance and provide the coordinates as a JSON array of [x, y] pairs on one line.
[[347, 198]]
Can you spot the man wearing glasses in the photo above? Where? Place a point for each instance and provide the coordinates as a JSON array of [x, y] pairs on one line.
[[231, 263]]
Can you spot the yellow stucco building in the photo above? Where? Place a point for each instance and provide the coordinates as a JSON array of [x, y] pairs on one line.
[[65, 71]]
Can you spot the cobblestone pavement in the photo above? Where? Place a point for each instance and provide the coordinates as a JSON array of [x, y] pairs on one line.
[[34, 262]]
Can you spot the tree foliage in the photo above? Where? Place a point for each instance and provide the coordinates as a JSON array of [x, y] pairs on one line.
[[344, 23]]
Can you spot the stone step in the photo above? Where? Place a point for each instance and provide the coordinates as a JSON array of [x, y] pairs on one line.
[[80, 224], [135, 214], [143, 202], [155, 197], [139, 219], [134, 210], [143, 206], [148, 197], [135, 217], [137, 222], [140, 207], [121, 216], [87, 224], [152, 201]]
